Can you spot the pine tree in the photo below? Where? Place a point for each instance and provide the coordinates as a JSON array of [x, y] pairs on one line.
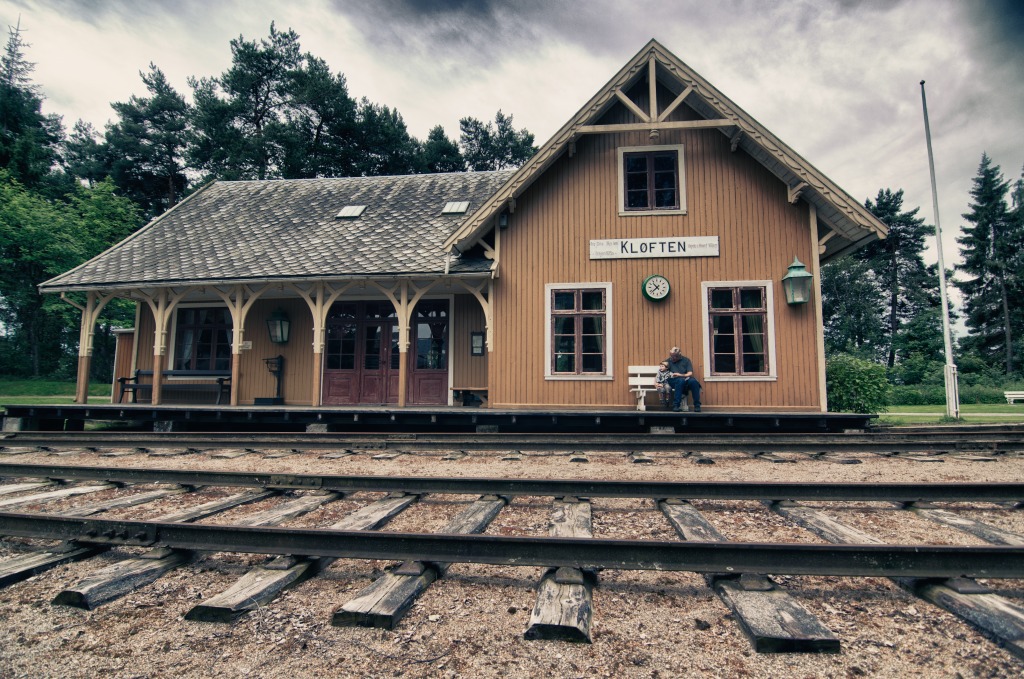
[[385, 145], [322, 130], [85, 156], [852, 304], [494, 146], [29, 140], [441, 154], [899, 267], [990, 247], [239, 126], [146, 145]]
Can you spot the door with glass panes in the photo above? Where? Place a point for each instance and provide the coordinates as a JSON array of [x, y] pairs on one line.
[[361, 361], [361, 364]]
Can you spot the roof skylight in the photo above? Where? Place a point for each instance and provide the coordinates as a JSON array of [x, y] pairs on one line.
[[350, 212], [455, 207]]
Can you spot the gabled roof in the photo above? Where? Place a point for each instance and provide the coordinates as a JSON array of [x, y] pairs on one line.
[[290, 230], [839, 214]]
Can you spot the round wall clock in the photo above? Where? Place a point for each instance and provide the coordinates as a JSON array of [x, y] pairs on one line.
[[655, 287]]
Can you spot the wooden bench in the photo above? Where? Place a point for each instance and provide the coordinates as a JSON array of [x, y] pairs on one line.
[[1012, 396], [641, 381], [466, 395], [134, 384]]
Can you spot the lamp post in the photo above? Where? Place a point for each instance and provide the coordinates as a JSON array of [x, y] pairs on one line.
[[797, 283], [276, 367]]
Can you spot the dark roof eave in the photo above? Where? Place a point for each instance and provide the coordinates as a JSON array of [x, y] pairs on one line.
[[129, 285]]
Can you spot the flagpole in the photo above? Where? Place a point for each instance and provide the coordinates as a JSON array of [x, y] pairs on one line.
[[952, 387]]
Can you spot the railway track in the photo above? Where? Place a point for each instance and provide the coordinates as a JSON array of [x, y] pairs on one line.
[[746, 576], [966, 439]]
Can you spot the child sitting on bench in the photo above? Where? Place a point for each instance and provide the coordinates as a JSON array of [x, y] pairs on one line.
[[661, 384]]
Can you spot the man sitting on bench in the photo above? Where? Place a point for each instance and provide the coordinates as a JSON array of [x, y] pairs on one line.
[[682, 380]]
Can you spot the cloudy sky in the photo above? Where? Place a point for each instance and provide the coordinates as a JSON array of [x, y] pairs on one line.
[[838, 80]]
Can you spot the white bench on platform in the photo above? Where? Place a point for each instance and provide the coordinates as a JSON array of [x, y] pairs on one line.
[[641, 381], [1012, 396]]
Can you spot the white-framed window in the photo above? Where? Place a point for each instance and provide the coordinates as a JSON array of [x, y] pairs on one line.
[[652, 180], [201, 338], [739, 331], [578, 341]]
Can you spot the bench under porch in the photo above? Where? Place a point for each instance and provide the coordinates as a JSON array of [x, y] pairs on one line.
[[215, 382]]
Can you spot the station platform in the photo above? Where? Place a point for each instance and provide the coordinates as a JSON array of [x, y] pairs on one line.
[[435, 419]]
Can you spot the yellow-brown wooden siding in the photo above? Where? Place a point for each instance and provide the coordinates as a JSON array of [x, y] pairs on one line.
[[125, 340], [728, 195], [467, 317]]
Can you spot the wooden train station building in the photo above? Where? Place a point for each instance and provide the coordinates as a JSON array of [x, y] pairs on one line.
[[660, 214]]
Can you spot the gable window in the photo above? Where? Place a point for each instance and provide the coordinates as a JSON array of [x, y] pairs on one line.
[[579, 340], [202, 339], [739, 330], [651, 180]]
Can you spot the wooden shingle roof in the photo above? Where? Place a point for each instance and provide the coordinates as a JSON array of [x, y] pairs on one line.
[[290, 230]]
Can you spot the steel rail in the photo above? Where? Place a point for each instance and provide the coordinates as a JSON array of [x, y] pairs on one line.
[[721, 490], [973, 440], [921, 561]]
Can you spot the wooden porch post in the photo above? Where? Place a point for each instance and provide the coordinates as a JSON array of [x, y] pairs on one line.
[[82, 383], [404, 312], [319, 299], [90, 313], [819, 321], [162, 306], [239, 306], [319, 310], [161, 318]]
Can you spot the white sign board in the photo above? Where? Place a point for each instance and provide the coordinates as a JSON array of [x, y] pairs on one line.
[[635, 248]]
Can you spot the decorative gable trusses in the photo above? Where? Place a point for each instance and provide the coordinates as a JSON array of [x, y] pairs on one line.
[[838, 212]]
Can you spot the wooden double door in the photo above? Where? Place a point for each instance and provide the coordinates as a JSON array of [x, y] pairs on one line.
[[361, 364]]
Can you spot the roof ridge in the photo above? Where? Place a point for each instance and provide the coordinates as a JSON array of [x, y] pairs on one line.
[[421, 175]]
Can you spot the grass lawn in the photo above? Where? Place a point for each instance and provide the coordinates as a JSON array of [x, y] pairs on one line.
[[970, 413], [47, 392]]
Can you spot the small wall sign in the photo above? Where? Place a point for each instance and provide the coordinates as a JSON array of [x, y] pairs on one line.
[[476, 344], [637, 248]]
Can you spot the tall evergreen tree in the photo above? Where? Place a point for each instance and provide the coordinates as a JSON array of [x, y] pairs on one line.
[[385, 145], [852, 309], [29, 140], [146, 146], [85, 155], [322, 130], [441, 154], [494, 146], [990, 250], [898, 266], [239, 126]]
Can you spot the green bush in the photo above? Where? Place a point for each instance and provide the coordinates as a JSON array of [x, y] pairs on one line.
[[981, 394], [855, 385], [918, 395]]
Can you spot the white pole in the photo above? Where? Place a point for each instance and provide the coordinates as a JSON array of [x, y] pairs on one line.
[[952, 388]]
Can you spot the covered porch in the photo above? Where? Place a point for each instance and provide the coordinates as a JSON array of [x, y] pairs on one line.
[[359, 341]]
